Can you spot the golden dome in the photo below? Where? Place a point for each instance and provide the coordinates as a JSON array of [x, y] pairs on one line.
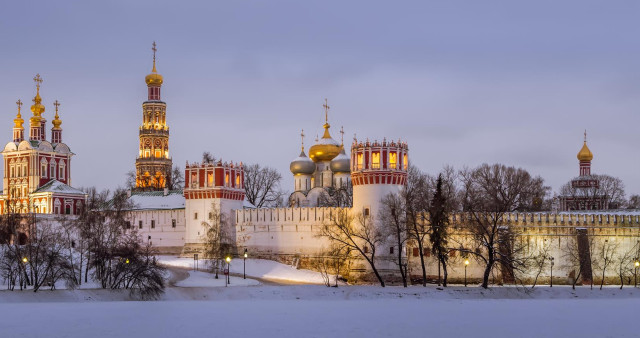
[[326, 149], [585, 154], [37, 108], [154, 79], [19, 120], [56, 121]]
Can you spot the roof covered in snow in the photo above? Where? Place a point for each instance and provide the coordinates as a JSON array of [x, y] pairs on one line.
[[155, 200], [56, 186]]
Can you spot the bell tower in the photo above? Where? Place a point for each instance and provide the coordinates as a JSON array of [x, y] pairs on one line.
[[153, 164]]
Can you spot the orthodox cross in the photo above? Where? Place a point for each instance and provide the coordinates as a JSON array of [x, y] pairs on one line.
[[326, 111], [342, 134], [154, 49], [19, 103], [38, 80], [302, 138], [56, 104], [585, 136]]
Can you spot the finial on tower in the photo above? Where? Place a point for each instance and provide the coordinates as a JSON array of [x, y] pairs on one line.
[[154, 49], [38, 80], [56, 120], [302, 138], [19, 103], [585, 136], [326, 111]]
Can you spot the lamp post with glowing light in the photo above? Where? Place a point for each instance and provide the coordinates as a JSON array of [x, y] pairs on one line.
[[636, 264], [228, 259], [244, 265], [466, 263]]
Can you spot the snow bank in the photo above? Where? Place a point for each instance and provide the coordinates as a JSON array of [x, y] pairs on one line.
[[205, 279], [258, 268]]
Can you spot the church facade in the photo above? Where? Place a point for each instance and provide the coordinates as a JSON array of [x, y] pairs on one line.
[[37, 171]]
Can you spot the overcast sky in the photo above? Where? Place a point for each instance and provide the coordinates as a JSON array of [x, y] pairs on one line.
[[462, 82]]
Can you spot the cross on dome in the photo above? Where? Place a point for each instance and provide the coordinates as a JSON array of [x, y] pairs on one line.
[[326, 111]]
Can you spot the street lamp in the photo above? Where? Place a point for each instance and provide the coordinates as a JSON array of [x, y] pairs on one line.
[[466, 263], [228, 259], [244, 265], [25, 260], [636, 264], [551, 280]]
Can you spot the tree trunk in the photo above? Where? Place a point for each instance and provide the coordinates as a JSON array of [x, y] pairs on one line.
[[444, 271], [424, 269]]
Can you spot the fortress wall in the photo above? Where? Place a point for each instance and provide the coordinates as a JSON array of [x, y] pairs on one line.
[[287, 232]]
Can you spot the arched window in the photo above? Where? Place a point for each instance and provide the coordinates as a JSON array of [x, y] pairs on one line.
[[360, 160], [238, 181], [43, 168], [52, 170], [62, 167], [375, 160], [393, 160], [405, 161]]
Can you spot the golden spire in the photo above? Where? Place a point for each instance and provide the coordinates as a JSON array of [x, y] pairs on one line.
[[18, 120], [585, 154], [154, 79], [56, 121], [37, 108], [326, 119]]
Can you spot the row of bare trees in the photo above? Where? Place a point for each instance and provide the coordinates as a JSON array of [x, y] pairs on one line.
[[97, 244]]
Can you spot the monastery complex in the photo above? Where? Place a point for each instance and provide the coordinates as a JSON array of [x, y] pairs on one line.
[[37, 180]]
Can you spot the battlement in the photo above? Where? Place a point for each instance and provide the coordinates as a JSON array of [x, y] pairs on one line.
[[214, 180], [379, 162]]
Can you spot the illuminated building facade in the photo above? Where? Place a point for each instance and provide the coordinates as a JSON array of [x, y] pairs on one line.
[[153, 164], [37, 172]]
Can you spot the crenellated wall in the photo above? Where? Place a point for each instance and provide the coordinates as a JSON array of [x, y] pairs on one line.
[[294, 232]]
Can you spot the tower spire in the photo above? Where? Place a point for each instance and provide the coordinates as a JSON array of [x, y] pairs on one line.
[[56, 131], [154, 49], [36, 131], [18, 129]]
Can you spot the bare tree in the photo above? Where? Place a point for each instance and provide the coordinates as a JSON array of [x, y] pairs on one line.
[[392, 219], [633, 202], [356, 233], [330, 262], [262, 186], [624, 264], [489, 192], [337, 197], [177, 179], [607, 254], [208, 158], [541, 260], [598, 192], [416, 196]]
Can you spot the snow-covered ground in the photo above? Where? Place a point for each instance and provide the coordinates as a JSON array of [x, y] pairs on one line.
[[317, 311], [259, 268], [204, 279]]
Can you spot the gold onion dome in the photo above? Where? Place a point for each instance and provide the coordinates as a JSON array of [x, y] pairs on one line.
[[56, 120], [302, 165], [341, 163], [18, 120], [585, 154], [326, 149], [154, 79]]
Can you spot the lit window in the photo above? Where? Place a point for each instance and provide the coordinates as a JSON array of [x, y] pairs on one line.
[[405, 161], [375, 160], [158, 153], [360, 160], [393, 160], [210, 179], [226, 179], [238, 181]]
